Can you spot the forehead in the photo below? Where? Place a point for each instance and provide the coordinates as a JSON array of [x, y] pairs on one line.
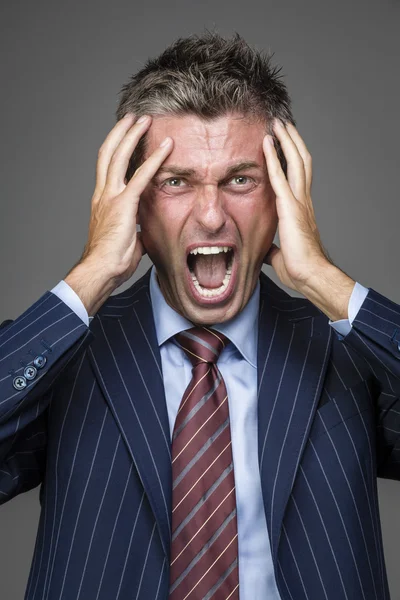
[[197, 141]]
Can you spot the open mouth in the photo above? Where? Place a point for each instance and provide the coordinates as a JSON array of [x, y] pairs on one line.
[[210, 270]]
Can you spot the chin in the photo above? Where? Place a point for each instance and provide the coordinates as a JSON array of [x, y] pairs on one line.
[[208, 305], [211, 312]]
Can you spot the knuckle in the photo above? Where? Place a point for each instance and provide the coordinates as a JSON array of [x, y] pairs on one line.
[[113, 160], [96, 197], [106, 194]]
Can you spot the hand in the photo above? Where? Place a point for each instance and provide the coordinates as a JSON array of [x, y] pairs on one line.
[[113, 239], [114, 249], [301, 254]]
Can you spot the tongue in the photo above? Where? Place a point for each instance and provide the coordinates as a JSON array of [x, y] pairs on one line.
[[210, 269]]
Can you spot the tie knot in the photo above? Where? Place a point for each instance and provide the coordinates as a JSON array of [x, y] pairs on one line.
[[202, 344]]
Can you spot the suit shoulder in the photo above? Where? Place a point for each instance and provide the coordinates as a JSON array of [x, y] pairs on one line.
[[118, 304], [282, 301]]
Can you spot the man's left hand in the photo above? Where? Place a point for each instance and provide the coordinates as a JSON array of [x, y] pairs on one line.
[[301, 262]]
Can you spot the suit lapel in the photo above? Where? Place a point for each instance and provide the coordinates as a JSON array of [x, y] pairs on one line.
[[293, 349], [127, 362]]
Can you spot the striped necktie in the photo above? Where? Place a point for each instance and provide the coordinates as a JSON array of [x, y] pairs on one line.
[[204, 550]]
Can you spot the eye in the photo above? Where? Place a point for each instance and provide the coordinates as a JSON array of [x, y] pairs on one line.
[[241, 178], [171, 181]]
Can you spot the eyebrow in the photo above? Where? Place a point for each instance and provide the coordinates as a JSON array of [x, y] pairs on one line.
[[180, 172]]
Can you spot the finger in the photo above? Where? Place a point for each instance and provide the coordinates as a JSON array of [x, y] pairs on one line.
[[296, 172], [307, 161], [106, 151], [119, 162], [276, 175], [149, 168], [305, 154]]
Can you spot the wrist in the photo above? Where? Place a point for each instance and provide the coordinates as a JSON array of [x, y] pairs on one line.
[[92, 283], [330, 289]]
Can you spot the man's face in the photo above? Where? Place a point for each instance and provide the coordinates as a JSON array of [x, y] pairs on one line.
[[194, 203]]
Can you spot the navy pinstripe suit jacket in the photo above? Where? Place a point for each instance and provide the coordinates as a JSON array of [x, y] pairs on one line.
[[92, 429]]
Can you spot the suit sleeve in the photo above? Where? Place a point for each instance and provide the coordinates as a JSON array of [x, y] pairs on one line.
[[375, 335], [71, 298], [34, 351]]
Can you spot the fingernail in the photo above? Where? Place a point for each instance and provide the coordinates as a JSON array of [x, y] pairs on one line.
[[143, 119], [127, 115], [165, 142], [270, 140]]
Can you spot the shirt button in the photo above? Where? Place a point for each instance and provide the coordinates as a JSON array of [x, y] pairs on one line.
[[30, 372], [40, 361], [19, 383]]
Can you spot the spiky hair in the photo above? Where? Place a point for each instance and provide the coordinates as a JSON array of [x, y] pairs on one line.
[[207, 76]]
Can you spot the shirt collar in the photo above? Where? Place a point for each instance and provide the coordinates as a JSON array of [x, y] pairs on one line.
[[242, 330]]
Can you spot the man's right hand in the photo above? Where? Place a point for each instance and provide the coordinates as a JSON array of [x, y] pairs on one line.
[[114, 249]]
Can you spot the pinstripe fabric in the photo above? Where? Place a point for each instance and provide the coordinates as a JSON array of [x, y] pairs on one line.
[[204, 550], [92, 429]]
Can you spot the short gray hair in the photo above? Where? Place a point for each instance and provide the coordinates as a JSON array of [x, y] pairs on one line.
[[207, 76]]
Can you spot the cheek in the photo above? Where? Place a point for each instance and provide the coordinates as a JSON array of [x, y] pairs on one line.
[[255, 216], [161, 222], [257, 223], [149, 212], [149, 225]]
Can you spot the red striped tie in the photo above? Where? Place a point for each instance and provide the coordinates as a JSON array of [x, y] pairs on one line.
[[204, 551]]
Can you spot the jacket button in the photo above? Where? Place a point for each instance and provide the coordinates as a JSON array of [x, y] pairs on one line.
[[40, 361], [30, 372], [19, 383]]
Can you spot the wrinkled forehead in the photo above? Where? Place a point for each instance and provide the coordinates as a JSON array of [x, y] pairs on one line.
[[199, 142]]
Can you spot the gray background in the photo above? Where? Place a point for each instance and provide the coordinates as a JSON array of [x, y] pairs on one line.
[[61, 69]]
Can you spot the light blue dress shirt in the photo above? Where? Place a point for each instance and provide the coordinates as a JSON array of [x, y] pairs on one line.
[[238, 366]]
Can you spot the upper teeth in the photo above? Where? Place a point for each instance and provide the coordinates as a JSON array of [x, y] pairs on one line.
[[209, 249]]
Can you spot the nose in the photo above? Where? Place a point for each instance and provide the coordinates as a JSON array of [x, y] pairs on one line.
[[209, 209]]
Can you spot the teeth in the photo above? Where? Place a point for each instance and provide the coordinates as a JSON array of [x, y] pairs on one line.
[[213, 292], [210, 293], [210, 249]]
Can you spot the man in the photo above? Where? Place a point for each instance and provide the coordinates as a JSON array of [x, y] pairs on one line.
[[206, 435]]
